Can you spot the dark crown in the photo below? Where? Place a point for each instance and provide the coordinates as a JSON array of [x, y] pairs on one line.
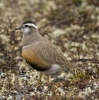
[[29, 21]]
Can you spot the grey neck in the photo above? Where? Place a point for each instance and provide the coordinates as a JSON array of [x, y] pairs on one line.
[[31, 38]]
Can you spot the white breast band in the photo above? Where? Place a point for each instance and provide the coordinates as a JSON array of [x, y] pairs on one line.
[[26, 46]]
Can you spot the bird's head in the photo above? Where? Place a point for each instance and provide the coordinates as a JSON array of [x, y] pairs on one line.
[[28, 27]]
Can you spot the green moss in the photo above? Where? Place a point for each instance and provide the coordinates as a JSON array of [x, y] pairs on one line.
[[77, 2], [81, 75]]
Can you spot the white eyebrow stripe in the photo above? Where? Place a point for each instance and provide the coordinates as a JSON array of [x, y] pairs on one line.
[[31, 24]]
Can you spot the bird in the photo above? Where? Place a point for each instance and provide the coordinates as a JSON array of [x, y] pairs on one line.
[[40, 53]]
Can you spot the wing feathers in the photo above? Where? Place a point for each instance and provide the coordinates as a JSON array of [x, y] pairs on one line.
[[52, 55]]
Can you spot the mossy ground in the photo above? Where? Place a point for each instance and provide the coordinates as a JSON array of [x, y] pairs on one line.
[[72, 25]]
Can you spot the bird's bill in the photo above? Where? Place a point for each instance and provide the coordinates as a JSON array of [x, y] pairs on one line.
[[18, 28]]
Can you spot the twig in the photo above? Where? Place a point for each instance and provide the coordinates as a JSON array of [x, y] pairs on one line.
[[60, 21], [85, 60]]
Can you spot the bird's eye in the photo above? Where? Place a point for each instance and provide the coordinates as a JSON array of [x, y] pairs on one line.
[[26, 26]]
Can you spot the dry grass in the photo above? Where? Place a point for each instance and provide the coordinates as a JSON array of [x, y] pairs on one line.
[[72, 25]]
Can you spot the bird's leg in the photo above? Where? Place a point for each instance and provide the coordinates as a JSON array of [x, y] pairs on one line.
[[48, 77], [39, 81]]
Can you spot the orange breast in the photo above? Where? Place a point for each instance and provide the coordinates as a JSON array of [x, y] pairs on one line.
[[31, 56]]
